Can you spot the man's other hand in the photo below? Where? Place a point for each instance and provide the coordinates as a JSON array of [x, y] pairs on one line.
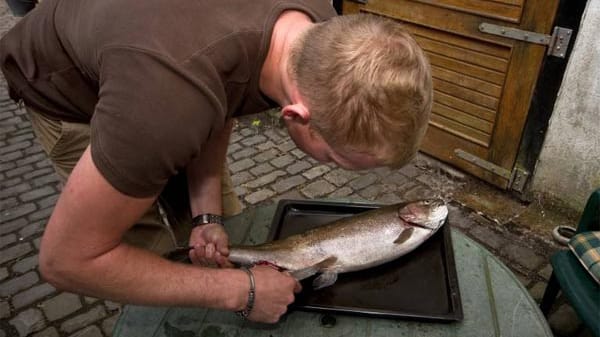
[[210, 244]]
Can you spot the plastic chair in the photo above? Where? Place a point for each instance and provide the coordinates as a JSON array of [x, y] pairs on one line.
[[572, 279]]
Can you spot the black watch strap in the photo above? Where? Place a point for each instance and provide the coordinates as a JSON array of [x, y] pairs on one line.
[[206, 218]]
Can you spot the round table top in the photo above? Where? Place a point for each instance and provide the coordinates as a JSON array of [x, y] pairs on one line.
[[494, 303]]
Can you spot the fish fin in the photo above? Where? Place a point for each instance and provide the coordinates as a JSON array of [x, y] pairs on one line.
[[324, 280], [301, 274], [405, 235]]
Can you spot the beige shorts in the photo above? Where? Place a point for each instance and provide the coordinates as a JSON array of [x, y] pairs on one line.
[[163, 227]]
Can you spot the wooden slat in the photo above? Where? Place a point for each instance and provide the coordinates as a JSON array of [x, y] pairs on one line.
[[435, 17], [460, 130], [466, 94], [466, 68], [463, 118], [491, 9], [466, 81], [510, 2], [458, 41], [473, 57], [462, 105]]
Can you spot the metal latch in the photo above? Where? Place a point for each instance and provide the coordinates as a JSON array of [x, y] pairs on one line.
[[557, 42], [516, 178]]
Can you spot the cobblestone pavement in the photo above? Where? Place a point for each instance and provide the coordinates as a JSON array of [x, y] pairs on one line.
[[266, 167]]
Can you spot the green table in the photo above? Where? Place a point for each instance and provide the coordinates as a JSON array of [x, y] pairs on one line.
[[494, 303]]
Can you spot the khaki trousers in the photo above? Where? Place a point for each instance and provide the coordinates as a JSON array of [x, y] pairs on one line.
[[159, 229]]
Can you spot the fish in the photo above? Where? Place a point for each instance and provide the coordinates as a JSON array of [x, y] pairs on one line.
[[353, 243]]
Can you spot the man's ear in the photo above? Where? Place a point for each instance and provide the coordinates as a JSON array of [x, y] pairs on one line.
[[296, 112]]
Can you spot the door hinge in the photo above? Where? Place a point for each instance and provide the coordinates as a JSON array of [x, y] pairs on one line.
[[557, 42], [516, 178]]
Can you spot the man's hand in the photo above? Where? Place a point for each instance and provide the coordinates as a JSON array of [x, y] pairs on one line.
[[274, 292], [210, 244]]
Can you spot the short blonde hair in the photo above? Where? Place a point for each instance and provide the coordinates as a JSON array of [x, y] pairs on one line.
[[367, 85]]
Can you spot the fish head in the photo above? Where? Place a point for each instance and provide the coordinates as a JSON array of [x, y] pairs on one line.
[[427, 214]]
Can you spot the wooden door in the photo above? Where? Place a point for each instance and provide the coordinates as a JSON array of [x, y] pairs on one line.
[[483, 83]]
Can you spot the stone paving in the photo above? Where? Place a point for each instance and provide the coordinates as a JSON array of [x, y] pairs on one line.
[[266, 167]]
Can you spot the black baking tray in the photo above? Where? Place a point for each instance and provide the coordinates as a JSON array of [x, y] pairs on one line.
[[420, 285]]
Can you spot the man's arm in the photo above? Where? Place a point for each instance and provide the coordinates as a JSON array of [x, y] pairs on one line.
[[82, 252], [211, 241]]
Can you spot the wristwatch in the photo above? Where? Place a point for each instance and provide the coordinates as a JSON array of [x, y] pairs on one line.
[[206, 218]]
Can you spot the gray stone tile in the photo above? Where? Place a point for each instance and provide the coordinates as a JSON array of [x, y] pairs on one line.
[[81, 321], [283, 161], [262, 169], [41, 214], [289, 195], [4, 309], [108, 325], [258, 196], [537, 291], [48, 332], [316, 171], [61, 306], [257, 139], [546, 272], [241, 177], [318, 189], [32, 229], [244, 153], [363, 181], [19, 211], [266, 155], [287, 183], [298, 167], [298, 153], [16, 284], [32, 295], [488, 237], [91, 331], [339, 177], [524, 256], [7, 240], [264, 180], [265, 146], [241, 165], [7, 226], [28, 321], [25, 264], [286, 146], [371, 192], [341, 192]]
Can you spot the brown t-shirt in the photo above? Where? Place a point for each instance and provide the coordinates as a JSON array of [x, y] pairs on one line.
[[153, 78]]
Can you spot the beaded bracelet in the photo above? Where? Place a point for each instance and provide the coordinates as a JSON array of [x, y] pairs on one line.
[[246, 311]]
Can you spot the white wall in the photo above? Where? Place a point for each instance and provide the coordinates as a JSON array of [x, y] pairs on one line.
[[569, 164]]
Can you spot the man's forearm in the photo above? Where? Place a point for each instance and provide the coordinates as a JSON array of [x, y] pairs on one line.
[[130, 275], [204, 174]]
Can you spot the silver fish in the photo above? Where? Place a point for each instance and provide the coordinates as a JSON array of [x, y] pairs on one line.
[[354, 243]]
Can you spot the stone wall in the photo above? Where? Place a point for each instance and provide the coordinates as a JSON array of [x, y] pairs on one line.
[[569, 164]]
